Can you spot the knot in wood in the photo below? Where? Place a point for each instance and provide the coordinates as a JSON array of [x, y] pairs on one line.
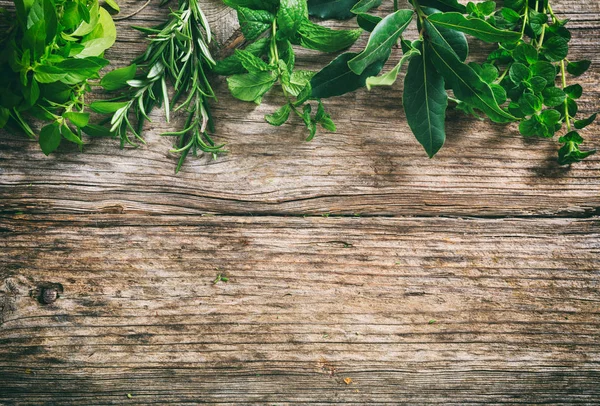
[[49, 295]]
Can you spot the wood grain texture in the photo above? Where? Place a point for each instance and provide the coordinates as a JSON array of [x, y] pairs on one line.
[[372, 165], [309, 302]]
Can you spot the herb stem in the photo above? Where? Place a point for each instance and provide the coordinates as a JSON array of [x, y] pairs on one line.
[[564, 84], [525, 18]]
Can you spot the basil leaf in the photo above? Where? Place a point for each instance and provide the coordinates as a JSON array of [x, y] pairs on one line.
[[336, 78], [254, 22], [118, 78], [113, 4], [251, 86], [314, 36], [70, 135], [106, 107], [331, 9], [425, 101], [381, 40], [473, 26], [465, 83], [97, 44], [78, 119], [49, 138]]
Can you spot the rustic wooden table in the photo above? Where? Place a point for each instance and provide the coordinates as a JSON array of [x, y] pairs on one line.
[[469, 278]]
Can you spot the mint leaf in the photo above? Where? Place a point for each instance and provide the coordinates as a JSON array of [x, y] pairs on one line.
[[251, 86], [254, 22], [290, 15], [280, 116]]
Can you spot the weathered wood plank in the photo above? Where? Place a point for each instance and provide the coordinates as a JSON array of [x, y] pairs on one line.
[[372, 165], [309, 302]]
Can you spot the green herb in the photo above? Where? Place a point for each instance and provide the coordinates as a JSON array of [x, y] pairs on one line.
[[517, 83], [50, 57], [177, 54], [273, 27], [220, 278]]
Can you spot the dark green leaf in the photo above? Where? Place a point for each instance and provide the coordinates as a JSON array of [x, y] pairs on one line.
[[269, 5], [336, 78], [525, 53], [545, 70], [579, 124], [232, 64], [537, 21], [553, 96], [574, 91], [94, 130], [570, 153], [473, 26], [555, 49], [578, 68], [314, 36], [367, 22], [550, 117], [444, 5], [516, 5], [537, 84], [363, 6], [455, 40], [381, 40], [518, 73], [530, 104], [331, 9], [118, 78], [35, 40], [50, 138], [425, 101], [465, 83]]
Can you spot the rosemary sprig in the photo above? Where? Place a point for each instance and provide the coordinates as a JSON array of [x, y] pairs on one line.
[[178, 54]]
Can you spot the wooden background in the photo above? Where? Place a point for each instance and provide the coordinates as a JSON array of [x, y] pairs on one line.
[[360, 271]]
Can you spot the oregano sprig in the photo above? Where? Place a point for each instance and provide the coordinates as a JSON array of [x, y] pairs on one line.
[[524, 80], [178, 54]]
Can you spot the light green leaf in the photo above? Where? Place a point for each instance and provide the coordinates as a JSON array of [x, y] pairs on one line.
[[289, 16], [280, 116], [96, 46], [254, 22], [118, 78], [252, 63], [106, 107], [85, 28], [78, 119], [251, 86], [389, 78], [113, 4]]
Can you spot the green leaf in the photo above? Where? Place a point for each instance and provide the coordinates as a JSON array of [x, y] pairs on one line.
[[50, 138], [545, 70], [94, 130], [367, 22], [518, 73], [71, 16], [251, 86], [87, 27], [336, 78], [254, 22], [473, 26], [331, 9], [455, 40], [574, 91], [298, 80], [118, 78], [314, 36], [570, 153], [97, 45], [4, 116], [232, 64], [280, 116], [389, 78], [516, 5], [530, 104], [252, 63], [381, 40], [269, 5], [525, 53], [555, 49], [364, 6], [444, 5], [70, 135], [553, 96], [579, 124], [531, 127], [550, 117], [537, 21], [537, 84], [106, 107], [578, 68], [113, 4], [34, 40], [465, 83], [425, 101], [289, 16], [78, 119]]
